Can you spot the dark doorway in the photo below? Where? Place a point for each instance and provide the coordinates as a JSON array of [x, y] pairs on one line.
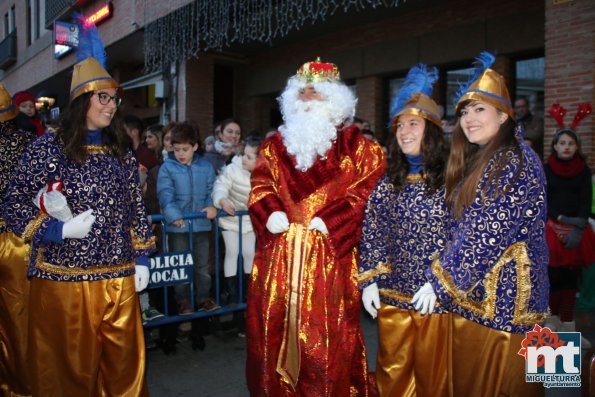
[[223, 93]]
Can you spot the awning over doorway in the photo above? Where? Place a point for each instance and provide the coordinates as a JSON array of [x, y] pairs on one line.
[[143, 81]]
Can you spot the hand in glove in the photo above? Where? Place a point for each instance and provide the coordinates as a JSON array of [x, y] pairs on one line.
[[51, 201], [574, 238], [424, 299], [318, 224], [141, 277], [573, 220], [371, 299], [79, 226], [278, 222]]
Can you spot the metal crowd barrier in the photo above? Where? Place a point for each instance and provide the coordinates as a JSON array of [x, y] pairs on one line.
[[172, 268]]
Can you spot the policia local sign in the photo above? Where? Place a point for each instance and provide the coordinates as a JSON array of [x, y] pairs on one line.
[[171, 269]]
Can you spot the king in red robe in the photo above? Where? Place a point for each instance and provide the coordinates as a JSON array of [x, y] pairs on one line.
[[309, 190]]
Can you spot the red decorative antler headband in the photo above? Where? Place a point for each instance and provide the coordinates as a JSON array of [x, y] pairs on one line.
[[558, 113]]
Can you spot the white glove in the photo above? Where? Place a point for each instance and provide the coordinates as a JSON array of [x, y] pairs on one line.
[[371, 299], [424, 299], [318, 224], [51, 201], [79, 226], [278, 222], [141, 277]]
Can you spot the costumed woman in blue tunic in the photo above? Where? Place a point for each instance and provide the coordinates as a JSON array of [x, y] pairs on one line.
[[85, 332], [492, 275], [14, 286], [406, 222]]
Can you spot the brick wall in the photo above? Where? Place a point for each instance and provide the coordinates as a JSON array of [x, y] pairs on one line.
[[444, 33], [195, 94], [371, 100], [569, 66]]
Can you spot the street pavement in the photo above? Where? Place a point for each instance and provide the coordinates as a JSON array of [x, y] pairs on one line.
[[218, 370]]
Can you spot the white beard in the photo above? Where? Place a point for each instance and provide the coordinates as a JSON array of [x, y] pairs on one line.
[[311, 127]]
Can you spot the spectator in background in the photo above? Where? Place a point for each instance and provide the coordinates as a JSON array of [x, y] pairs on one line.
[[226, 146], [14, 286], [185, 184], [134, 128], [532, 125], [230, 193], [27, 119], [153, 135], [153, 140], [569, 235]]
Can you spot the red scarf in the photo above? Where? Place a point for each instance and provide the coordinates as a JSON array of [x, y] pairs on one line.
[[566, 169], [37, 122]]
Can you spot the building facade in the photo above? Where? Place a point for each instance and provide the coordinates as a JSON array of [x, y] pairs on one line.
[[198, 61]]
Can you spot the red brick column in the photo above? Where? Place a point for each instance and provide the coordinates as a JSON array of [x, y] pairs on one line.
[[195, 94], [370, 104], [569, 65]]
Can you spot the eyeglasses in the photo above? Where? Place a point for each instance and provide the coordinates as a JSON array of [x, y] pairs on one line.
[[105, 98]]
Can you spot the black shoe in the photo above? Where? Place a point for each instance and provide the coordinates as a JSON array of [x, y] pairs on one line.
[[198, 342]]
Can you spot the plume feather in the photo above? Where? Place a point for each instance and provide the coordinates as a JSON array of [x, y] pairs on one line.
[[90, 44], [484, 61], [420, 79]]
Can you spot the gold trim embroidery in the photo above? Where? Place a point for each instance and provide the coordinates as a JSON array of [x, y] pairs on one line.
[[415, 178], [368, 274], [97, 149], [32, 227], [140, 244], [486, 308], [396, 295], [2, 223], [69, 271]]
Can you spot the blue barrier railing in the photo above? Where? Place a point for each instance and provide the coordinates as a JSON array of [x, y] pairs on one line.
[[188, 271]]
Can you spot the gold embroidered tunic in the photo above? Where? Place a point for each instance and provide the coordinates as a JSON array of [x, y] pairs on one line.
[[494, 269]]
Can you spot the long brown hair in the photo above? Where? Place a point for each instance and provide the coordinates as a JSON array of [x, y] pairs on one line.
[[73, 131], [467, 164], [434, 153]]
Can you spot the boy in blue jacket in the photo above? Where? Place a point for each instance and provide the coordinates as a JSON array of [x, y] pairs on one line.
[[185, 184]]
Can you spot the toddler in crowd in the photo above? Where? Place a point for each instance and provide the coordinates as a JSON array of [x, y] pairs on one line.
[[230, 193], [27, 119]]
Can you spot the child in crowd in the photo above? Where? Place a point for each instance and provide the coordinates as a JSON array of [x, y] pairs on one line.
[[185, 184], [230, 193], [27, 119]]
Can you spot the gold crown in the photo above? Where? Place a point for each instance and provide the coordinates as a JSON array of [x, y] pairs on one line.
[[491, 88], [420, 105], [7, 109], [89, 75], [317, 71]]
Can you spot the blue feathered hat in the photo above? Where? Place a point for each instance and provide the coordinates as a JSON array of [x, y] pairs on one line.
[[89, 73], [486, 85], [414, 97]]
